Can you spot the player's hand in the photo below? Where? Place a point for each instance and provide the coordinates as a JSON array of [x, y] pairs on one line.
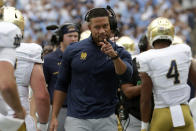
[[53, 124], [21, 114]]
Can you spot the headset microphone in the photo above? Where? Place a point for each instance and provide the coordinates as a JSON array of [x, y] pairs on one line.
[[52, 27]]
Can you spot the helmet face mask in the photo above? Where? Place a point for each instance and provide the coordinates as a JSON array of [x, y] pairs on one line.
[[160, 29], [12, 15]]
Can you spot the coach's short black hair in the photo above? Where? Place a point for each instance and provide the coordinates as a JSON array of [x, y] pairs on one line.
[[96, 12]]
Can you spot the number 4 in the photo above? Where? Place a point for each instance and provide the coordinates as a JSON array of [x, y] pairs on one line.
[[173, 72]]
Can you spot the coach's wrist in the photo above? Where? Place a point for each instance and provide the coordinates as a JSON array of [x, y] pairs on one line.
[[115, 56]]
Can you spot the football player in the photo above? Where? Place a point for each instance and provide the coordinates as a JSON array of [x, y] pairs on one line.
[[29, 72], [10, 35], [132, 89], [164, 70], [127, 43]]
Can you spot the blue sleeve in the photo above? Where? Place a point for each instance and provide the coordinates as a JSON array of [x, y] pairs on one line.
[[126, 58], [64, 76]]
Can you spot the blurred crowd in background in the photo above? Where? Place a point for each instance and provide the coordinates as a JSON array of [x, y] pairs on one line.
[[133, 16]]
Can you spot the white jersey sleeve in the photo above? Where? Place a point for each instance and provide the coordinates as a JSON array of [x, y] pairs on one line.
[[8, 54], [27, 55], [10, 35], [142, 62], [30, 52]]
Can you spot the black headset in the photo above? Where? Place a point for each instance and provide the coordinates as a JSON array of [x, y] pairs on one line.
[[111, 14]]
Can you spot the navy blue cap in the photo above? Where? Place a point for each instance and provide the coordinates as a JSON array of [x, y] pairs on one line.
[[69, 28]]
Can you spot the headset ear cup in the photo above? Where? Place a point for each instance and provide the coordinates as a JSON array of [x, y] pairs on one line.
[[86, 16], [113, 23], [58, 36], [112, 18], [60, 33]]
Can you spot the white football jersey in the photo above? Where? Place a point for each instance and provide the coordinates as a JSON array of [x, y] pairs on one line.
[[168, 69], [27, 55], [10, 35]]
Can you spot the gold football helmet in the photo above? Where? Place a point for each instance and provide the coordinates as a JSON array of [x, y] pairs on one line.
[[127, 43], [11, 14], [85, 34], [160, 28], [177, 40]]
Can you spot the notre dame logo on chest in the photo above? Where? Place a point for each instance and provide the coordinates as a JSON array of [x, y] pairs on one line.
[[17, 40], [83, 56]]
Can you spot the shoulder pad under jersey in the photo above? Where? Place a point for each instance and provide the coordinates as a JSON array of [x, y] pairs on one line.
[[30, 52], [10, 35]]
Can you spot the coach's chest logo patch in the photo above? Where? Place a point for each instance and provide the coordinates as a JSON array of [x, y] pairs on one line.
[[83, 56], [55, 73]]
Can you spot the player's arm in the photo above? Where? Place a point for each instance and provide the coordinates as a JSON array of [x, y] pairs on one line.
[[9, 90], [40, 92], [192, 72], [58, 100], [145, 99], [33, 108], [130, 90]]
